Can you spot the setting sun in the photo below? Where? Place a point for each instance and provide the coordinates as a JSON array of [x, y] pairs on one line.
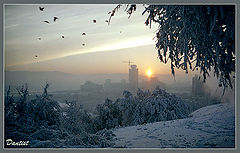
[[149, 73]]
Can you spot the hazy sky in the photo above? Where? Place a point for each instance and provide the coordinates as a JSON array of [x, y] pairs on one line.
[[106, 46]]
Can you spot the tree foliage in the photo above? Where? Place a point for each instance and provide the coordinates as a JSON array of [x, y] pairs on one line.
[[40, 121], [145, 107], [194, 37], [76, 119], [23, 116]]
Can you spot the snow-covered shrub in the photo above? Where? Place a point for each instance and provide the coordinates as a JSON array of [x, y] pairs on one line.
[[109, 115], [146, 107], [101, 139], [24, 118], [45, 124], [106, 133], [46, 110], [46, 134], [76, 119], [17, 120]]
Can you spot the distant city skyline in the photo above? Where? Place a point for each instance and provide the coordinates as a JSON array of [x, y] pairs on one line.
[[34, 45]]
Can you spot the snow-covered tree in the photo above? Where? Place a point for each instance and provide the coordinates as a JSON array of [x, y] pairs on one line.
[[108, 115], [146, 107], [76, 120], [41, 122], [194, 37], [24, 117], [46, 109]]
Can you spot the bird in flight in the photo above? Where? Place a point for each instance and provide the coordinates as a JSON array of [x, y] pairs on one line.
[[83, 33], [83, 44], [46, 22], [94, 21], [41, 8], [55, 18], [62, 36], [36, 56]]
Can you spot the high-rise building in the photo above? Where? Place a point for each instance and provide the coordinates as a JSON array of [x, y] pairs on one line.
[[197, 86], [133, 77]]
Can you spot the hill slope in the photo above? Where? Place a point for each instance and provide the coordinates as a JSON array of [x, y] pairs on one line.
[[209, 127]]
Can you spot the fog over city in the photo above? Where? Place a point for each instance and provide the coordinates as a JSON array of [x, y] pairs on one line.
[[43, 55]]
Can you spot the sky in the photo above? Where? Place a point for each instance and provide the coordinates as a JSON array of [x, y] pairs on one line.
[[106, 47]]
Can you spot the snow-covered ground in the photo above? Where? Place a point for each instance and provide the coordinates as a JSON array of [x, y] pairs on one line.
[[209, 127]]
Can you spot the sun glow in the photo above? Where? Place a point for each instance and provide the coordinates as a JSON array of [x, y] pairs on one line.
[[149, 73]]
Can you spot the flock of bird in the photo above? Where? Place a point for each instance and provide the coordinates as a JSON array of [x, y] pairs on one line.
[[55, 18]]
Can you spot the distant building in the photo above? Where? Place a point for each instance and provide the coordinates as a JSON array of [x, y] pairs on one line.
[[133, 77], [110, 86], [91, 87], [197, 86], [107, 84], [152, 83]]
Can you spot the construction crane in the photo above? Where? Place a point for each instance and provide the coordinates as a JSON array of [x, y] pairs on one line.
[[129, 62]]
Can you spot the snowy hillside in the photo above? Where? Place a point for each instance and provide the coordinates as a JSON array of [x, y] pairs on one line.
[[209, 127]]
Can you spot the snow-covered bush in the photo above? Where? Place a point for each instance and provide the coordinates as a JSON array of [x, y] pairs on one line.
[[146, 107], [81, 140], [108, 115], [86, 140], [24, 118], [76, 120], [45, 124], [46, 109]]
